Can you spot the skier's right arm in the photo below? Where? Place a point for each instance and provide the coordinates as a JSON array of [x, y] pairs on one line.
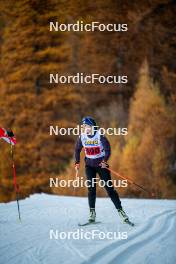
[[78, 148]]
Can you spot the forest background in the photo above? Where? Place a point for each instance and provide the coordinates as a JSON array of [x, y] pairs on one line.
[[146, 105]]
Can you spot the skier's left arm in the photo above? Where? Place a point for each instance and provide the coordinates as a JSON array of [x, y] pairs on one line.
[[107, 148]]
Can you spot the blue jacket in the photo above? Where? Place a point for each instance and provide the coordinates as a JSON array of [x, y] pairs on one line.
[[93, 162]]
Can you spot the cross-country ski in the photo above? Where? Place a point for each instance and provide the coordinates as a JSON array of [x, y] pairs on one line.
[[89, 223]]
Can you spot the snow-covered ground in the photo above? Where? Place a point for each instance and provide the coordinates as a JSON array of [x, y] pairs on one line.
[[151, 241]]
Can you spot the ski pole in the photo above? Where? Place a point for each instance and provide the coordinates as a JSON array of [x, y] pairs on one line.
[[15, 180], [76, 176], [131, 181], [77, 173]]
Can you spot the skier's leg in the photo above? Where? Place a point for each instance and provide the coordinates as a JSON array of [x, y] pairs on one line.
[[91, 174], [106, 177]]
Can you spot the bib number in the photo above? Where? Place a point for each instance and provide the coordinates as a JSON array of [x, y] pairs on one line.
[[91, 151]]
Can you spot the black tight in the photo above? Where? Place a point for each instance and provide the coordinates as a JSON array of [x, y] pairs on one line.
[[105, 176]]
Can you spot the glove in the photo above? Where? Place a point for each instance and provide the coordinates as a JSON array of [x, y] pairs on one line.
[[104, 165], [76, 166], [10, 133]]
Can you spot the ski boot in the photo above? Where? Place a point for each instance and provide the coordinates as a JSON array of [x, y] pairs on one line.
[[92, 215], [124, 217]]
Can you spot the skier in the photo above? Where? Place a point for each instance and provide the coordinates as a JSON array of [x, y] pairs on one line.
[[97, 152]]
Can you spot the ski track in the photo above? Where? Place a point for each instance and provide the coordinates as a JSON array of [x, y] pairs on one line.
[[168, 228], [68, 245], [28, 242], [124, 248]]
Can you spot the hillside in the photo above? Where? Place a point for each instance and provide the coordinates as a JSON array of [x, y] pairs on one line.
[[29, 104]]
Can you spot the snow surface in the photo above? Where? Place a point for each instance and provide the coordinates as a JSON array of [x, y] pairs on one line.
[[151, 241]]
